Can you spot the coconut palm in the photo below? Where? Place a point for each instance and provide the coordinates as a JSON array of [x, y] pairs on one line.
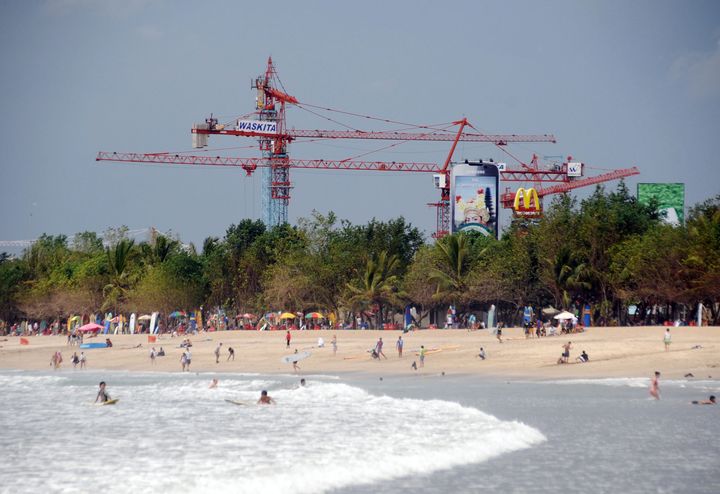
[[117, 258], [375, 285], [452, 272]]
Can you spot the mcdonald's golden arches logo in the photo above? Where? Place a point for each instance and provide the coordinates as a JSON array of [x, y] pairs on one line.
[[527, 202]]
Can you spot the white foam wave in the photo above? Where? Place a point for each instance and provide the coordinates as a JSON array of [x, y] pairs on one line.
[[318, 438]]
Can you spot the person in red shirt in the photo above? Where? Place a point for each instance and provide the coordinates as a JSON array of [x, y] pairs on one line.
[[287, 339]]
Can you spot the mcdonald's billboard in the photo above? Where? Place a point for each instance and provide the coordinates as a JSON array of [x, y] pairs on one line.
[[527, 203]]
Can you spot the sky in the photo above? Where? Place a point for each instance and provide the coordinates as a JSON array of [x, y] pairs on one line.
[[619, 83]]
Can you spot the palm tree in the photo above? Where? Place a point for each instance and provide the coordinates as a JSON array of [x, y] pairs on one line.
[[451, 275], [376, 284], [117, 258]]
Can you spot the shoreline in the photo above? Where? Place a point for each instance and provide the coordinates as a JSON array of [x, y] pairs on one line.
[[614, 352]]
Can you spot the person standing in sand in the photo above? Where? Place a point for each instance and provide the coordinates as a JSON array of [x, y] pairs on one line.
[[83, 360], [655, 386], [667, 339], [378, 349], [288, 337], [399, 345], [334, 344], [217, 353], [153, 354], [231, 354], [422, 355], [566, 352]]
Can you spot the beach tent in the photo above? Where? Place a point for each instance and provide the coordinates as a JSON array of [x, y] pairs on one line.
[[90, 328], [564, 315]]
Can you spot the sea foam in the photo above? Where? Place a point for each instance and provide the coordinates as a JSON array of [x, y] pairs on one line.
[[177, 435]]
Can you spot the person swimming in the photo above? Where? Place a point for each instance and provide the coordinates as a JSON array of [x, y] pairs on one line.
[[265, 399], [102, 394], [709, 401]]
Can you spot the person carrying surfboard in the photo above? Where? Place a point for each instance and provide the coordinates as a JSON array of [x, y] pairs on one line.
[[102, 395]]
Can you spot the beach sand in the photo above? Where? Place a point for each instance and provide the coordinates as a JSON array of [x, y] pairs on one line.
[[614, 352]]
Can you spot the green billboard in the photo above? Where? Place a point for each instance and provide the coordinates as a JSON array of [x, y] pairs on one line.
[[670, 199]]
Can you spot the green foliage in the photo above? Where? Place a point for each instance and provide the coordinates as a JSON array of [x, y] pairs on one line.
[[607, 250]]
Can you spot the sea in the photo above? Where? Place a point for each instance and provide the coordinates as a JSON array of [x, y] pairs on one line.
[[419, 433]]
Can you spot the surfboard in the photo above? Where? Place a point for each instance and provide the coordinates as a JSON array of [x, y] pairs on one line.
[[132, 323], [153, 322], [241, 403], [110, 402], [86, 346], [295, 357]]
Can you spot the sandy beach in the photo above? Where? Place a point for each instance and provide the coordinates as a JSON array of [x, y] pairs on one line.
[[614, 352]]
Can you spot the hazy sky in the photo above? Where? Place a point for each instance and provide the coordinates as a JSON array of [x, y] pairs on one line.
[[619, 83]]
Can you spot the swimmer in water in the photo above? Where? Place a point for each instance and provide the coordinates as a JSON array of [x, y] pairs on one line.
[[102, 395], [265, 399], [709, 401], [213, 384]]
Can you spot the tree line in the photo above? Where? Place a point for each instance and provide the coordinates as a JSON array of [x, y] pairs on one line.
[[608, 250]]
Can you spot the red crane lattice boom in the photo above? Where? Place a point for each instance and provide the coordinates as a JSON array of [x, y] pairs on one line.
[[270, 109]]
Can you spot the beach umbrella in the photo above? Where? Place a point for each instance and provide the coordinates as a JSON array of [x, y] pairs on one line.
[[247, 315], [146, 317], [90, 328], [564, 315], [287, 315], [177, 313], [313, 315], [548, 311]]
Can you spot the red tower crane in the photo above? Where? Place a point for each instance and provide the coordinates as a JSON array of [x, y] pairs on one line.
[[270, 128]]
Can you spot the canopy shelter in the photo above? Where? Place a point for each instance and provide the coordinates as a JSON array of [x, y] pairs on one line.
[[90, 328], [564, 315]]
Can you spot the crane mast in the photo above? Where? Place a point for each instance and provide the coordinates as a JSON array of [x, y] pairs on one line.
[[274, 137]]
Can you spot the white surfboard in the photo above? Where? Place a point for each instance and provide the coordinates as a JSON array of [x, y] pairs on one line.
[[132, 323], [153, 322], [295, 357]]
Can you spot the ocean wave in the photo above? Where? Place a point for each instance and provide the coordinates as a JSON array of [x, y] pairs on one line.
[[317, 438]]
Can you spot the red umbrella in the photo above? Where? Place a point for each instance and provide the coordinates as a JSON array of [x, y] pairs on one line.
[[90, 328]]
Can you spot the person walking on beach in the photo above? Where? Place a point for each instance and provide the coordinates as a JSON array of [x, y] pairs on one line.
[[56, 360], [102, 395], [75, 360], [378, 349], [422, 355], [482, 354], [83, 360], [566, 352], [399, 346], [231, 354], [655, 386], [667, 339], [498, 332], [153, 355], [334, 344], [217, 353], [188, 358], [287, 339]]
